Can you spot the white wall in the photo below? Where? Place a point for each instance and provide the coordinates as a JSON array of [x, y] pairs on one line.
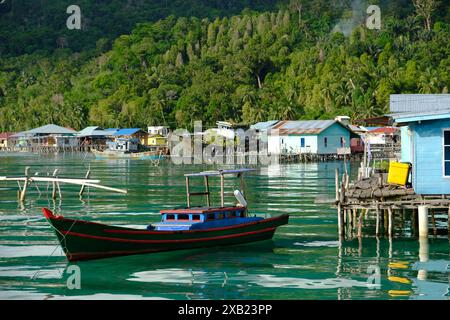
[[292, 144]]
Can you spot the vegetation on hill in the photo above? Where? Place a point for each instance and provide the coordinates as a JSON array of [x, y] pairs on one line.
[[297, 60]]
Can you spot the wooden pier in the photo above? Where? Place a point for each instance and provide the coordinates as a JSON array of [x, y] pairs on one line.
[[372, 198], [55, 180], [312, 157]]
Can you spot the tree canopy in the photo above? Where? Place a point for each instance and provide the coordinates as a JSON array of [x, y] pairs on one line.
[[277, 60]]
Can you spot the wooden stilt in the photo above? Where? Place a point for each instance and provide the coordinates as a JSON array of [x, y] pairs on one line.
[[390, 222], [340, 221], [25, 185], [54, 185], [354, 218], [88, 173], [433, 221], [360, 224], [377, 227]]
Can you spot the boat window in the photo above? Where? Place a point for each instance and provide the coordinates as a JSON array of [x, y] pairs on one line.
[[238, 213], [233, 214], [183, 217], [170, 217], [196, 217], [220, 215], [210, 216]]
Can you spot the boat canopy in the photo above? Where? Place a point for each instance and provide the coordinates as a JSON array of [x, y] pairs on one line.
[[221, 174]]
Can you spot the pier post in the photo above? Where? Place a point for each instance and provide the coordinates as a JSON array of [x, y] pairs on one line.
[[423, 221], [340, 220], [336, 182], [390, 223], [377, 227], [360, 223], [25, 185], [83, 186], [423, 256]]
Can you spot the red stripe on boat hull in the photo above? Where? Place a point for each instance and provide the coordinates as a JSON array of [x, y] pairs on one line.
[[81, 235]]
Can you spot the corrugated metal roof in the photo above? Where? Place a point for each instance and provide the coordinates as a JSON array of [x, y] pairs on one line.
[[400, 103], [126, 132], [303, 127], [50, 129], [6, 135], [266, 125], [385, 130], [93, 131]]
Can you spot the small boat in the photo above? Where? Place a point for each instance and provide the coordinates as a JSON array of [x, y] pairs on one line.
[[123, 148], [182, 228]]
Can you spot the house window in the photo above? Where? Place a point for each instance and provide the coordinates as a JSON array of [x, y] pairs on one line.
[[302, 142], [325, 142], [447, 153], [342, 142]]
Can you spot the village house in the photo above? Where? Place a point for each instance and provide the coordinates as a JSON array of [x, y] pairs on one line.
[[156, 140], [130, 133], [424, 121], [5, 139], [163, 131], [49, 135], [93, 136], [322, 137]]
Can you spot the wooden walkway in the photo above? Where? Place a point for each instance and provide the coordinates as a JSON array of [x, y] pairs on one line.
[[373, 197]]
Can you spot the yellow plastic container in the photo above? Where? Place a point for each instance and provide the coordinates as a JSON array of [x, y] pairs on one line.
[[398, 173]]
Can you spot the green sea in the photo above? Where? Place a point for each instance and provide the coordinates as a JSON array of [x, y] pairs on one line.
[[305, 259]]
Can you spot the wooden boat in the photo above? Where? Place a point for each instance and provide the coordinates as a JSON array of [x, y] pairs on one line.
[[123, 148], [145, 155], [183, 228]]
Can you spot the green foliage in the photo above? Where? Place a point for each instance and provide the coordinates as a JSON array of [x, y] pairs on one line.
[[214, 64]]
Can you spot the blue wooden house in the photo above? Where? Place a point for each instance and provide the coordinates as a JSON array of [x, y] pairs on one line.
[[322, 137], [425, 137]]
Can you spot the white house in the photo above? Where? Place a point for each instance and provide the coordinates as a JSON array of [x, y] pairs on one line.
[[161, 130]]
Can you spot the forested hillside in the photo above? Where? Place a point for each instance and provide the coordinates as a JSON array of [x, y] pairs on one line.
[[301, 59]]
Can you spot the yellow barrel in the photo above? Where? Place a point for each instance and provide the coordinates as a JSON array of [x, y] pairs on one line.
[[398, 173]]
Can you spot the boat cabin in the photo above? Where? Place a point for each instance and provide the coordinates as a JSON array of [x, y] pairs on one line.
[[205, 217], [124, 145]]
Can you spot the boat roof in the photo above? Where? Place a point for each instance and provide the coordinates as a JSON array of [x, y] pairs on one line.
[[199, 210], [218, 172]]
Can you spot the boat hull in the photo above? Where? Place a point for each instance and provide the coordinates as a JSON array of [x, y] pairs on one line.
[[82, 240], [147, 155]]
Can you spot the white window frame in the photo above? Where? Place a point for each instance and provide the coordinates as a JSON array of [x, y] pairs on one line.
[[443, 153]]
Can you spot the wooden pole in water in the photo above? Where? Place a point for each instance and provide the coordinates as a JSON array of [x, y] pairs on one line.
[[336, 182], [83, 186], [340, 220], [360, 224], [25, 185], [208, 200], [222, 187], [188, 195], [54, 185], [377, 227], [390, 222], [433, 221]]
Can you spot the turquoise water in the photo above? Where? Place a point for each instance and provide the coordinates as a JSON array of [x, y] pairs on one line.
[[305, 260]]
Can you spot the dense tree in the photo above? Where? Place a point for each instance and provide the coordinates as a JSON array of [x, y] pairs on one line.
[[282, 63]]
